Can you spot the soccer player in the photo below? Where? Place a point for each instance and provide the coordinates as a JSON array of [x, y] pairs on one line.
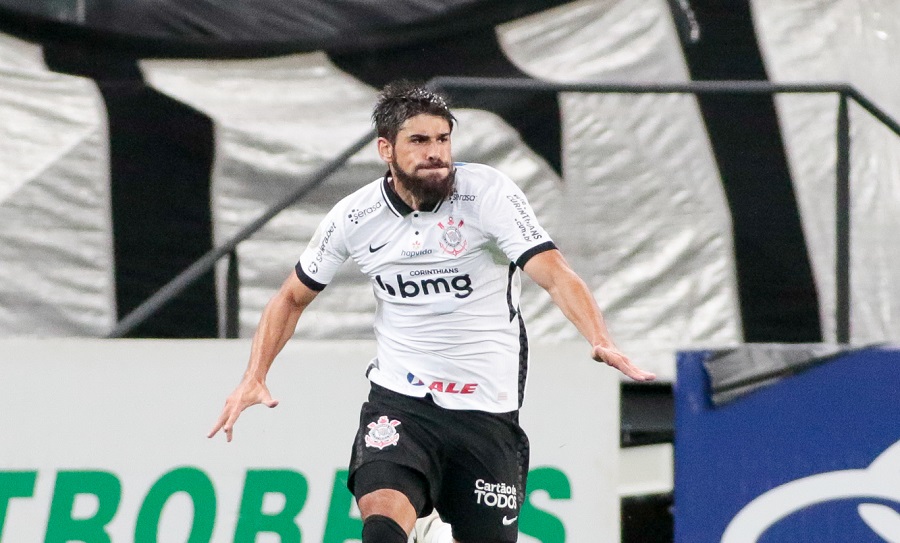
[[443, 244]]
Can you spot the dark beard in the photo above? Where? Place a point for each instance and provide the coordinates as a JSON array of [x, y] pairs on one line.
[[427, 191]]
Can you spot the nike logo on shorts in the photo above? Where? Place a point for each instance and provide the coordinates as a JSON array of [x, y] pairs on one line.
[[373, 249], [508, 521]]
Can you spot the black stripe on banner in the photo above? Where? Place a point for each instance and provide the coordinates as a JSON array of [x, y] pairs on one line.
[[160, 161], [535, 115], [779, 302]]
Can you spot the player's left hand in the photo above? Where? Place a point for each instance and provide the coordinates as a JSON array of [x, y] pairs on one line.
[[248, 393], [615, 358]]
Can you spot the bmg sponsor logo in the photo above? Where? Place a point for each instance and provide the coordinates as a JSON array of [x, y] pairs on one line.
[[459, 285], [500, 495]]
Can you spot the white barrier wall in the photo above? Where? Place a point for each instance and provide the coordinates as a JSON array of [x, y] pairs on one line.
[[108, 437]]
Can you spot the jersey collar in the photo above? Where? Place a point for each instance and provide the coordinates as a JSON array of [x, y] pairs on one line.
[[394, 202]]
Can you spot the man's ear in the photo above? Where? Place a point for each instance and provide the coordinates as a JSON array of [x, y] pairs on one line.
[[385, 150]]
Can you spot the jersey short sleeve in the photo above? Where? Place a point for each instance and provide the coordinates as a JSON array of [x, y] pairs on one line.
[[509, 219], [326, 251]]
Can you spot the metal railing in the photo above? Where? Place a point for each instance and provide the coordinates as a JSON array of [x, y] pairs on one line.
[[205, 263], [844, 91]]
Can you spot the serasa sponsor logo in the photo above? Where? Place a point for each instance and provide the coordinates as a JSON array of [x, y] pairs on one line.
[[325, 239], [525, 219], [445, 387], [459, 285], [500, 495], [356, 214], [457, 197]]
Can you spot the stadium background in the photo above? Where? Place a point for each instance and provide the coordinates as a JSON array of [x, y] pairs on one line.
[[137, 136]]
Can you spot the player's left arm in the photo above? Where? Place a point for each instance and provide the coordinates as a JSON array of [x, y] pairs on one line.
[[551, 271]]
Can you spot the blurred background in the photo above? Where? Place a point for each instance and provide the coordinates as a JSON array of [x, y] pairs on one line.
[[163, 164]]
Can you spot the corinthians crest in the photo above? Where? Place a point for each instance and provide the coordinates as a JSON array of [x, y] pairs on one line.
[[452, 240], [382, 433]]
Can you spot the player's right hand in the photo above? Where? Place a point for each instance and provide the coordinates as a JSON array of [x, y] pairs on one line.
[[616, 359], [249, 392]]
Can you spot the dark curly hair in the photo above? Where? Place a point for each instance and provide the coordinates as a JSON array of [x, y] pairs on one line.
[[402, 100]]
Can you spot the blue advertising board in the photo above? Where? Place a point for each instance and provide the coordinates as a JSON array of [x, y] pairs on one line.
[[812, 457]]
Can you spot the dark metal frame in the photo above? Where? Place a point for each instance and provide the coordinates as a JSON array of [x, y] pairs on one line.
[[844, 91]]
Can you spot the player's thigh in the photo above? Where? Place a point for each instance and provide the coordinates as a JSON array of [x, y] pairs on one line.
[[483, 483], [385, 488], [394, 450]]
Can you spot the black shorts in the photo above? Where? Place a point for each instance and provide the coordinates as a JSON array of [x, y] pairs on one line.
[[470, 465]]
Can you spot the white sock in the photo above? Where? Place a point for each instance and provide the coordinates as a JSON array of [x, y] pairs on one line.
[[431, 529]]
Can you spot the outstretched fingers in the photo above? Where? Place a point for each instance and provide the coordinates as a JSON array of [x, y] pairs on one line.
[[614, 358], [636, 373], [226, 421], [220, 422], [247, 394]]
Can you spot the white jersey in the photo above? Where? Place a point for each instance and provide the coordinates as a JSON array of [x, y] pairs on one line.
[[446, 283]]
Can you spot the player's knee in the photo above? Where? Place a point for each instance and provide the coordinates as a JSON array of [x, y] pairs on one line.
[[382, 529]]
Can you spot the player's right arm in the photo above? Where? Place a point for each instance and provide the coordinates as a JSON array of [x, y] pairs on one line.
[[276, 326]]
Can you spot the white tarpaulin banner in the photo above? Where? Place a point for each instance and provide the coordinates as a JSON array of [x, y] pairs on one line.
[[644, 218], [56, 252], [108, 437], [302, 113], [856, 43]]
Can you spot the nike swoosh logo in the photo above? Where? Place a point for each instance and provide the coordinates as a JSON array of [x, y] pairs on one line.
[[508, 521], [373, 249]]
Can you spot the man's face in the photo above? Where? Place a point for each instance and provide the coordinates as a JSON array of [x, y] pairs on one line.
[[420, 158]]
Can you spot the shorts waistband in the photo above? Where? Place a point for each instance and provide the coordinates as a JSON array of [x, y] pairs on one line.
[[386, 395]]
